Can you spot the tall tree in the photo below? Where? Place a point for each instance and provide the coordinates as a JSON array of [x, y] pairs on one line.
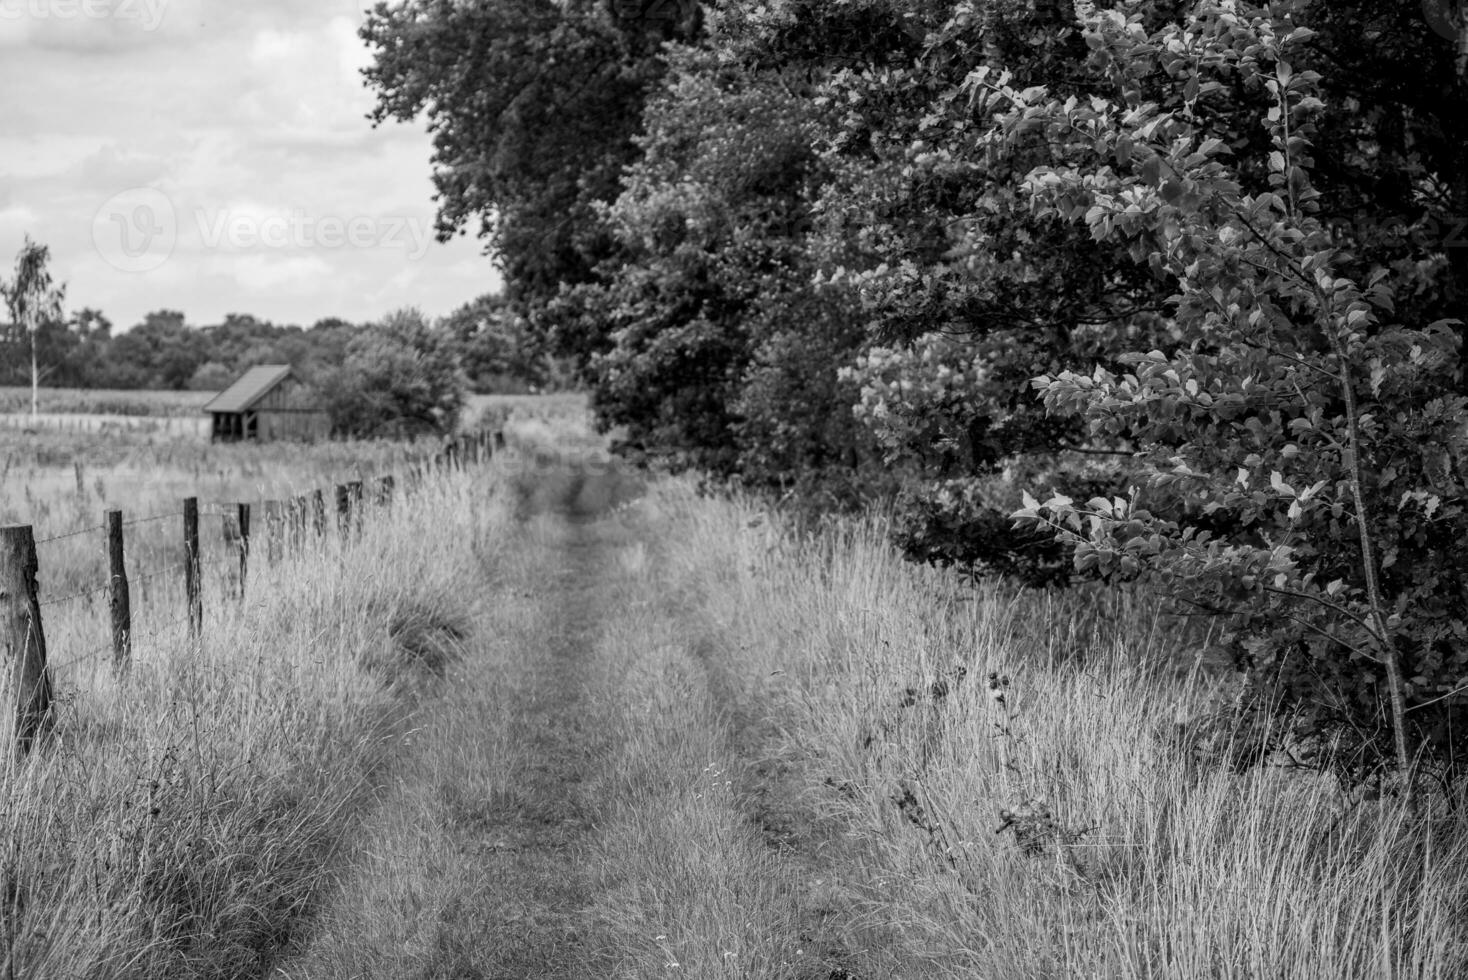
[[34, 301], [532, 105]]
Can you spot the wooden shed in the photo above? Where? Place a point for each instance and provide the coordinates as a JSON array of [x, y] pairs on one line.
[[267, 403]]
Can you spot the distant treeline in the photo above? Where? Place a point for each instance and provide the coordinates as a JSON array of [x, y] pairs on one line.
[[166, 351]]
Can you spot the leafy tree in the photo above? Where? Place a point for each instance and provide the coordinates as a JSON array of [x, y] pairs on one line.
[[532, 105], [34, 302], [212, 376], [495, 346], [161, 352], [723, 353], [399, 377], [1321, 433]]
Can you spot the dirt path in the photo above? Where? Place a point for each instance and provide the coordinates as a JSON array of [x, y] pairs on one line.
[[488, 855]]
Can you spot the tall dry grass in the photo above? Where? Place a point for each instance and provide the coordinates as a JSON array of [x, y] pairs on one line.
[[181, 818], [1047, 822]]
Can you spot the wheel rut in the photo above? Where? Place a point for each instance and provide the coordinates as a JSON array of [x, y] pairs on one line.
[[472, 866]]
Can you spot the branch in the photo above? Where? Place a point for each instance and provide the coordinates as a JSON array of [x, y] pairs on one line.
[[1341, 610]]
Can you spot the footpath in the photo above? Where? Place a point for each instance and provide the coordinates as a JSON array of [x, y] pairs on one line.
[[564, 788]]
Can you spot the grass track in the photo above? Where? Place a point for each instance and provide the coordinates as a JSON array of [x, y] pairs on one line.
[[686, 744]]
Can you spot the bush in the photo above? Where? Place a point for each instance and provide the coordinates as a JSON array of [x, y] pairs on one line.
[[400, 378]]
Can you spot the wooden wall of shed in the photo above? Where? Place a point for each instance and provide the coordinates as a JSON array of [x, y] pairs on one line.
[[296, 426], [288, 396]]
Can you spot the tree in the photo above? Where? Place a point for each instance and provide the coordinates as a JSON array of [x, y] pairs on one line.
[[495, 346], [723, 353], [533, 105], [1318, 435], [34, 302], [399, 377]]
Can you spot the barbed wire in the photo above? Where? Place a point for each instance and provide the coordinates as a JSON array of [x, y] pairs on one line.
[[139, 579], [151, 517], [158, 631], [73, 595], [71, 534], [80, 658], [133, 638]]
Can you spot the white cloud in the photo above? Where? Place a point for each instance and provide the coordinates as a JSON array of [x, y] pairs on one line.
[[253, 109], [255, 272]]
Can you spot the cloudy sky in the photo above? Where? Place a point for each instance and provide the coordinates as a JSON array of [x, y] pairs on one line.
[[213, 157]]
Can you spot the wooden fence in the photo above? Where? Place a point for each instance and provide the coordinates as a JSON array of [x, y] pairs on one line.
[[26, 690]]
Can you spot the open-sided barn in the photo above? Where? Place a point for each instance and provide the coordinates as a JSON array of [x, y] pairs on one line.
[[268, 403]]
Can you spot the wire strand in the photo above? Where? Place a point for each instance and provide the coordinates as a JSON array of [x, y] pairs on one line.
[[73, 595], [91, 654], [151, 517], [71, 534], [167, 569]]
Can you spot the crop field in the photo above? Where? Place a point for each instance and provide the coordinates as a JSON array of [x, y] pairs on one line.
[[547, 718], [16, 400], [179, 414]]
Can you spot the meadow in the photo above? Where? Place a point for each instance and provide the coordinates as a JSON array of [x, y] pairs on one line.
[[525, 720], [15, 399]]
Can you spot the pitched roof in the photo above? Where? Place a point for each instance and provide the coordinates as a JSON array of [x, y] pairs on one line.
[[250, 388]]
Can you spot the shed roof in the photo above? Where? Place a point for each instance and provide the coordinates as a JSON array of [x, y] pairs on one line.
[[250, 388]]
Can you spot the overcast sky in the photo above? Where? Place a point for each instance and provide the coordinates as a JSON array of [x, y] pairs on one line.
[[213, 157]]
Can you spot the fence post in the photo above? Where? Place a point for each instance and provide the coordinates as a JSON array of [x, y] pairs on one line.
[[119, 601], [274, 530], [318, 511], [343, 509], [25, 685], [192, 567], [358, 518], [296, 539], [242, 512]]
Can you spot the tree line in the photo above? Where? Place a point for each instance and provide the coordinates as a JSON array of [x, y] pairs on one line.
[[82, 349], [1164, 291]]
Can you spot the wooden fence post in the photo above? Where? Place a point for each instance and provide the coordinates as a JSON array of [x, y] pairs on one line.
[[297, 520], [192, 567], [318, 511], [274, 530], [25, 685], [242, 512], [357, 515], [118, 600], [343, 509]]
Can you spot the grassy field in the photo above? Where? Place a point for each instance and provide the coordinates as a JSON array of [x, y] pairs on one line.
[[104, 401], [181, 412], [548, 722], [181, 817]]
